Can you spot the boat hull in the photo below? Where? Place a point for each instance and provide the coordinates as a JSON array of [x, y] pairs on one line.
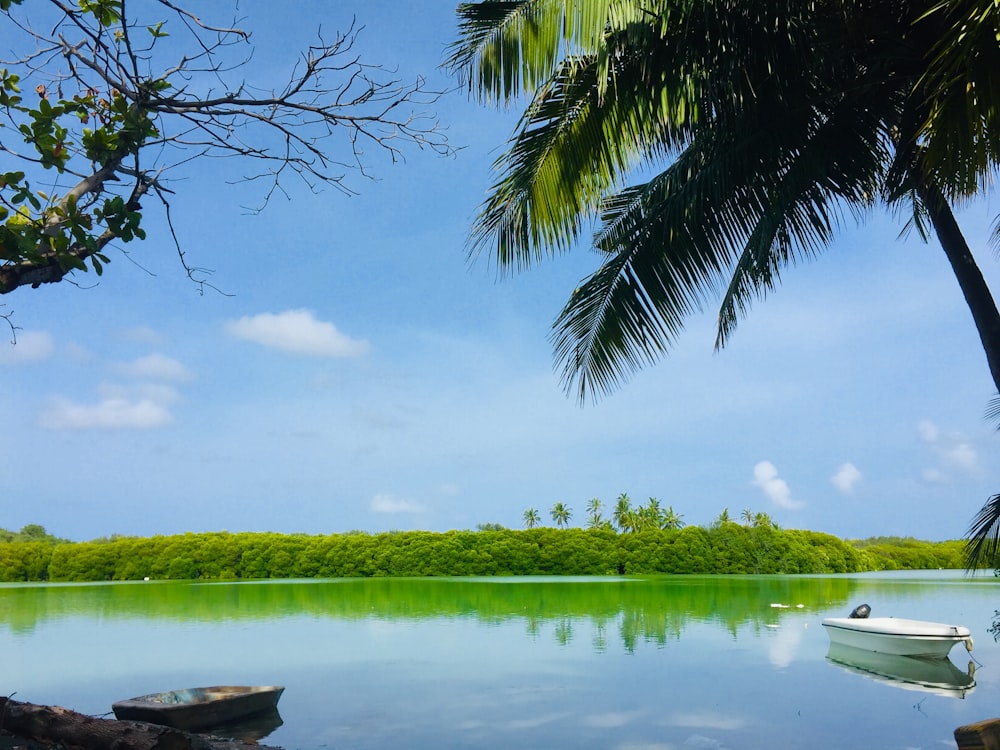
[[193, 709], [891, 635]]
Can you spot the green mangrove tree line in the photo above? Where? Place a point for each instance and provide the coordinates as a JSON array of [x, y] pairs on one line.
[[723, 548]]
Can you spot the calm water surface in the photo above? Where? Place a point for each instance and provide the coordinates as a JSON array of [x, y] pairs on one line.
[[625, 664]]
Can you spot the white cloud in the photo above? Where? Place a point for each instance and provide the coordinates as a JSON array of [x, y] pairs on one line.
[[108, 414], [31, 346], [296, 331], [846, 478], [156, 367], [961, 455], [137, 407], [928, 431], [765, 476], [391, 504], [955, 453]]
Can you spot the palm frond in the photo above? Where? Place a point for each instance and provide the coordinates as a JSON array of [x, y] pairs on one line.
[[610, 328], [960, 84], [983, 537], [775, 118], [508, 47], [570, 149], [993, 411], [823, 165], [664, 254]]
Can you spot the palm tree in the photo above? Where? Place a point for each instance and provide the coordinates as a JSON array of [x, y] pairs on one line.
[[762, 123], [747, 516], [762, 520], [623, 516], [723, 518], [650, 516], [561, 514], [759, 166], [531, 518], [672, 519], [594, 509]]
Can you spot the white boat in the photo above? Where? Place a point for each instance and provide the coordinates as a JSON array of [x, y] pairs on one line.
[[894, 635]]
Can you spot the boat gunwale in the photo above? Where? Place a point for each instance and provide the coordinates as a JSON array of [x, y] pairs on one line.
[[917, 629], [224, 693]]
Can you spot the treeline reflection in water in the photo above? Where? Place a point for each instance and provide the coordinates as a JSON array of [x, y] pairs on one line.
[[656, 608]]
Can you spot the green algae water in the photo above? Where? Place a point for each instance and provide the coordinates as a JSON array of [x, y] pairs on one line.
[[615, 663]]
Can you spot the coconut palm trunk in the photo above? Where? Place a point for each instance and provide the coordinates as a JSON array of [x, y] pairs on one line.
[[970, 278]]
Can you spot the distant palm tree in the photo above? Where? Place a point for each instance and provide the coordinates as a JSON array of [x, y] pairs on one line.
[[594, 508], [531, 518], [623, 516], [724, 517], [651, 514], [747, 516], [671, 519], [763, 521], [561, 514]]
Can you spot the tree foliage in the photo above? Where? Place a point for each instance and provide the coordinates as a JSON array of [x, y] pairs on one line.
[[907, 553], [32, 532], [104, 102], [728, 548], [759, 127]]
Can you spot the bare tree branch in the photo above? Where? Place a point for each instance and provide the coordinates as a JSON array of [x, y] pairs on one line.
[[129, 106]]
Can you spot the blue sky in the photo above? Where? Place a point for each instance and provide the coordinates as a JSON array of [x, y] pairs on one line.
[[359, 373]]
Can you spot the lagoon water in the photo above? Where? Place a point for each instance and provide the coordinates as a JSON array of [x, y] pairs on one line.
[[608, 663]]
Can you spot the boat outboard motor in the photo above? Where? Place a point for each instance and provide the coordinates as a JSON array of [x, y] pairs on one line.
[[860, 612]]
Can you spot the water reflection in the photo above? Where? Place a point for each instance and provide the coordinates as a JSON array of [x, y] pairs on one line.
[[250, 730], [486, 664], [937, 676], [655, 610], [564, 631]]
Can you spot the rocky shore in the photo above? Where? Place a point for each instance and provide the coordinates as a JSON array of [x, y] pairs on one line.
[[27, 726]]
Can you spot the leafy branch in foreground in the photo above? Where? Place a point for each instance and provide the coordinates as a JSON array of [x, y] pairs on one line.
[[109, 102]]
